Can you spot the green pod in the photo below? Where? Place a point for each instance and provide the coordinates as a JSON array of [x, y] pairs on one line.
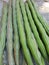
[[36, 34], [10, 36], [30, 37], [40, 27], [16, 37], [41, 18], [22, 35], [3, 32]]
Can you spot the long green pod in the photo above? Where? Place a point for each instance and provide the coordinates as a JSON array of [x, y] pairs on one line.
[[31, 40], [40, 27], [22, 35], [3, 31], [34, 29], [10, 37], [16, 38], [41, 18]]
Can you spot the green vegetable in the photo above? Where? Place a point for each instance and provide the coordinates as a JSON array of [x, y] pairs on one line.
[[10, 37], [3, 32], [41, 18], [30, 38], [40, 27], [34, 29], [16, 38], [22, 35]]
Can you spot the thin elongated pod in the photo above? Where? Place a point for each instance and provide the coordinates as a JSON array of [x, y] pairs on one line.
[[40, 27], [3, 31], [10, 36], [16, 36], [30, 38], [36, 34], [41, 18], [22, 35]]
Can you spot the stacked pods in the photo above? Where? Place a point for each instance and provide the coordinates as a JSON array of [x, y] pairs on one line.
[[27, 31]]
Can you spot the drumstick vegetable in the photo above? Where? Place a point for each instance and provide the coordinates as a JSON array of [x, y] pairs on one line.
[[41, 18], [3, 31], [40, 27], [22, 35], [10, 37], [31, 40], [36, 34], [16, 37]]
